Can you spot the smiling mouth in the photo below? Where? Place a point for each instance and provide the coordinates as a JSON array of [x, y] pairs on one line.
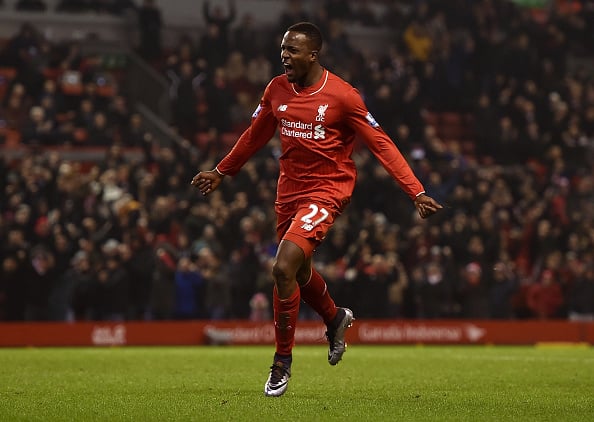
[[288, 69]]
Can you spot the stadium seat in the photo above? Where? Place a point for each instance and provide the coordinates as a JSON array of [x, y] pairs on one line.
[[469, 147], [105, 86], [80, 135], [451, 119], [52, 73], [450, 132], [12, 138], [8, 72], [71, 83], [63, 117], [106, 90], [431, 118], [202, 140]]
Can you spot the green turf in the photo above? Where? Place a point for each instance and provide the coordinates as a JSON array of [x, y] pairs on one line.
[[225, 383]]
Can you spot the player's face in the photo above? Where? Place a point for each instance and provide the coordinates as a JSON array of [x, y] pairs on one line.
[[297, 56]]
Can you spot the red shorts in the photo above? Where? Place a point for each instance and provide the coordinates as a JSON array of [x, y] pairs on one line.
[[305, 223]]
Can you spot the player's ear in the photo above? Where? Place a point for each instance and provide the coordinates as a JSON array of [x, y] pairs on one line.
[[314, 55]]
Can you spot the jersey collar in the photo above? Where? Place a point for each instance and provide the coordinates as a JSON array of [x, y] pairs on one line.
[[313, 89]]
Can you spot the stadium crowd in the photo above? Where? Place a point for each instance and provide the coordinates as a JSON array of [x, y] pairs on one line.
[[129, 239]]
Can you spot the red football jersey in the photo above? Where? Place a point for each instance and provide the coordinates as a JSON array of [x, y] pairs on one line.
[[317, 127]]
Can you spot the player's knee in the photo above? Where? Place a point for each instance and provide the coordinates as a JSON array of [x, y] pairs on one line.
[[280, 271], [283, 273]]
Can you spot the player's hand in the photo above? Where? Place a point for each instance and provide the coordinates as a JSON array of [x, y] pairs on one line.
[[207, 181], [426, 206]]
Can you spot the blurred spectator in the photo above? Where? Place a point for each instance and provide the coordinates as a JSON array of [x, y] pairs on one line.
[[134, 134], [215, 43], [503, 286], [337, 44], [545, 297], [218, 287], [220, 98], [260, 306], [118, 116], [15, 108], [100, 133], [433, 291], [581, 294], [213, 46], [216, 16], [248, 37], [473, 291], [80, 279], [162, 298], [418, 41], [39, 128], [183, 90], [150, 24], [39, 283], [22, 48], [12, 289], [110, 291], [139, 260], [259, 71], [84, 115], [189, 290]]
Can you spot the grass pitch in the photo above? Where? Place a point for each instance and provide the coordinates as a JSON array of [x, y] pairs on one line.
[[372, 383]]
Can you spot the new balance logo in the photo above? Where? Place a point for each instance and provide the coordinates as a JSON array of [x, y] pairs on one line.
[[282, 107], [319, 132], [321, 113]]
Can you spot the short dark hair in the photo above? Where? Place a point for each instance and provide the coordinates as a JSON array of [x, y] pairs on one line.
[[311, 31]]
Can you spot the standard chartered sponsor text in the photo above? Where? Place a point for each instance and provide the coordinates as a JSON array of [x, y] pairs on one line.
[[290, 128], [296, 133], [308, 130], [296, 125]]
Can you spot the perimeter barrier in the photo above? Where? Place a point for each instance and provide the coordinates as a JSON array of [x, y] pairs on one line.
[[392, 332]]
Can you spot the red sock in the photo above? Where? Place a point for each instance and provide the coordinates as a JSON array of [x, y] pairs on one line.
[[286, 312], [315, 294]]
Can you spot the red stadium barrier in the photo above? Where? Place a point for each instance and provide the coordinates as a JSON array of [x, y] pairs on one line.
[[241, 332]]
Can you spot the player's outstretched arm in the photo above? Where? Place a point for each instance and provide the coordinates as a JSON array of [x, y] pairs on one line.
[[207, 181], [426, 206]]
